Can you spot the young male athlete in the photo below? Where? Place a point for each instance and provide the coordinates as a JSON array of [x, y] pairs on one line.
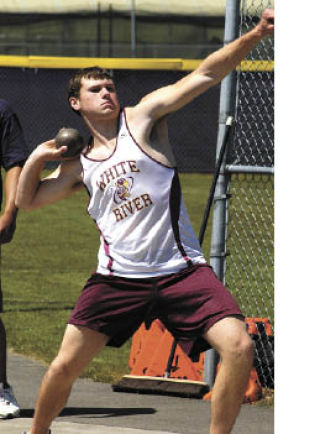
[[150, 264]]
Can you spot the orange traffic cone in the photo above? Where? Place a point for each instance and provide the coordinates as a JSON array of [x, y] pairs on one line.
[[150, 352]]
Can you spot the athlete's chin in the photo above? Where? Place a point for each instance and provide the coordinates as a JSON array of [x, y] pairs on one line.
[[107, 106], [106, 114], [110, 110]]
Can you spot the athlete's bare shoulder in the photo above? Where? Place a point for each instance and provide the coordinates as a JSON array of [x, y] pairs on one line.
[[151, 135]]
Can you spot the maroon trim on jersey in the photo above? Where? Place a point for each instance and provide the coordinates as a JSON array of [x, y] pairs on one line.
[[175, 201], [139, 146], [107, 251], [106, 245], [87, 147]]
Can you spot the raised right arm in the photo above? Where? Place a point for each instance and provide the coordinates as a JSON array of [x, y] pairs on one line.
[[210, 72], [34, 192]]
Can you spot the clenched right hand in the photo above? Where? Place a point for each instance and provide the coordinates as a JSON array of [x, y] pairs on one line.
[[47, 151]]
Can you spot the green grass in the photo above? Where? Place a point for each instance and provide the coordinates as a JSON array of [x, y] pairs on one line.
[[44, 268]]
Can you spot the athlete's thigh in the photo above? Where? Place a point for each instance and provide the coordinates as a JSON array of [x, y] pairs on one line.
[[79, 346]]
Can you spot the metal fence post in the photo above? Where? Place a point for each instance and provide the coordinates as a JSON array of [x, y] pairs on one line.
[[133, 29], [219, 224]]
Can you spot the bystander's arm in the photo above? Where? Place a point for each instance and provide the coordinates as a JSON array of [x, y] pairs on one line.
[[7, 218]]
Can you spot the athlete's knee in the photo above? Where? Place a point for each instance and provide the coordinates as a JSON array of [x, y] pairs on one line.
[[240, 349], [230, 338], [61, 370], [245, 347]]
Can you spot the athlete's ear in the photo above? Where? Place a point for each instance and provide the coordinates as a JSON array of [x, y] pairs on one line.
[[74, 103]]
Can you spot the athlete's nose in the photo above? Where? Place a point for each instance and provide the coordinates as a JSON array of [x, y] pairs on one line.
[[104, 92]]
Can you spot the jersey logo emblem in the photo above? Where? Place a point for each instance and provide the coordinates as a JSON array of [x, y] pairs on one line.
[[123, 187]]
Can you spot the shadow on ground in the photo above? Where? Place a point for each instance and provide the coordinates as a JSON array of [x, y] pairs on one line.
[[95, 412]]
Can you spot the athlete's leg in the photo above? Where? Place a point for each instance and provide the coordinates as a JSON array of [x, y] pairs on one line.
[[78, 348], [235, 347]]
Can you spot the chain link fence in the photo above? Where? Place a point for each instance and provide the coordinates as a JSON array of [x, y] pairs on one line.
[[250, 161]]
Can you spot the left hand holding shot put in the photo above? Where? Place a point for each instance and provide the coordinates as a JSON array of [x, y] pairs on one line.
[[48, 151]]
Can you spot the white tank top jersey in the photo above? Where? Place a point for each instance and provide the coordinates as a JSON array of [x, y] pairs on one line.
[[137, 205]]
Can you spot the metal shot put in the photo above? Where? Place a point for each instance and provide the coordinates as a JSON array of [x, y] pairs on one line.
[[71, 138]]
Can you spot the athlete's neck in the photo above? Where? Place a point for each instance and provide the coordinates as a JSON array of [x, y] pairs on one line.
[[104, 132]]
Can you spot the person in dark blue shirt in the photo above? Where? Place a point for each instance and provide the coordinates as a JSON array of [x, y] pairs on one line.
[[13, 153]]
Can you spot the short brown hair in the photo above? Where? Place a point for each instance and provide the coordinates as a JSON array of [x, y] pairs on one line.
[[94, 72]]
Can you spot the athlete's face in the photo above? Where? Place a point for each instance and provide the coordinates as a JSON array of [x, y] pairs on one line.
[[98, 98]]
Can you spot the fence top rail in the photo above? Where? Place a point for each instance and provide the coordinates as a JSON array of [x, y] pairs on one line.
[[250, 169], [120, 63]]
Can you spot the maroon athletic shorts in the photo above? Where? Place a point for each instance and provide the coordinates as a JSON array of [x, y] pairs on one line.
[[188, 303]]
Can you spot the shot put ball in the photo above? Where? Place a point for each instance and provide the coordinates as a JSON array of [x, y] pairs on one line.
[[71, 138]]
